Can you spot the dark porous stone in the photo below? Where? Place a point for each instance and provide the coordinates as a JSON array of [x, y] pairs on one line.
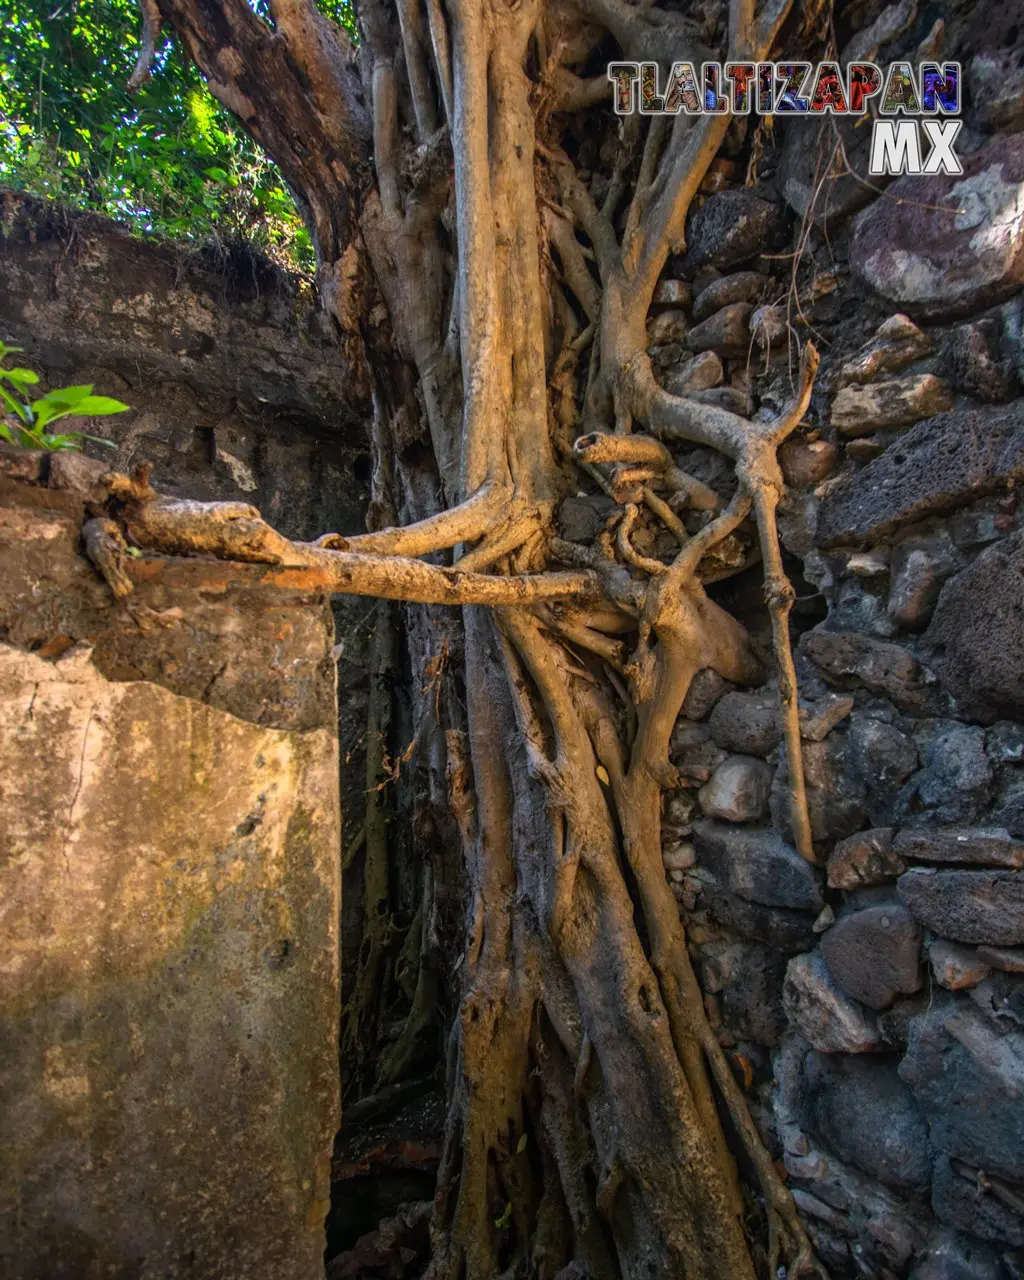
[[878, 753], [973, 362], [1004, 743], [918, 570], [780, 927], [952, 244], [758, 866], [959, 1201], [1001, 996], [746, 722], [725, 332], [706, 687], [752, 1002], [939, 464], [883, 668], [580, 519], [953, 1257], [894, 1022], [978, 628], [875, 954], [742, 286], [955, 783], [968, 1075], [866, 858], [983, 846], [731, 227], [1009, 811], [835, 800], [699, 373], [860, 1108], [698, 760], [967, 906], [995, 76]]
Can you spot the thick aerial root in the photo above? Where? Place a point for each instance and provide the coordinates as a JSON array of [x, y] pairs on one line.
[[234, 531], [464, 523], [779, 599]]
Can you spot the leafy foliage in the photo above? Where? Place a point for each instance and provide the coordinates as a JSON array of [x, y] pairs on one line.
[[27, 422], [168, 160]]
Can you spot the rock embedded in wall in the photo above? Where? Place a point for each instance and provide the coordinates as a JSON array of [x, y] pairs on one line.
[[731, 227], [894, 402], [889, 670], [740, 286], [977, 846], [954, 967], [738, 790], [965, 1198], [758, 866], [946, 246], [976, 630], [858, 1104], [967, 906], [746, 722], [939, 465], [826, 1016], [977, 365], [966, 1071], [898, 342], [875, 954], [725, 332], [864, 859]]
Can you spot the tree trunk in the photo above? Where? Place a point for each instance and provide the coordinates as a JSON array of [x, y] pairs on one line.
[[496, 309]]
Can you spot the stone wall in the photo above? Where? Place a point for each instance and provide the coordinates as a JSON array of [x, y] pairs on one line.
[[872, 1006], [237, 392], [231, 369], [169, 903]]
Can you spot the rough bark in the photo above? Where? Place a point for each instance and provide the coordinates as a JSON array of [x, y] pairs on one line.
[[509, 361]]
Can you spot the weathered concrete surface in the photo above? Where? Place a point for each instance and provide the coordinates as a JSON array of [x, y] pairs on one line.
[[169, 904]]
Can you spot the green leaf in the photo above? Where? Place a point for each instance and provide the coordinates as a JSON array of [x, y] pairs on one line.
[[19, 410], [20, 377], [55, 443], [69, 395], [99, 406], [521, 1144]]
